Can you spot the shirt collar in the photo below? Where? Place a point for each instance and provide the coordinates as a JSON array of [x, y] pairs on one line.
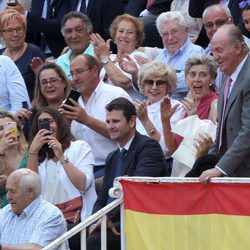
[[238, 69], [180, 50], [127, 144], [31, 208]]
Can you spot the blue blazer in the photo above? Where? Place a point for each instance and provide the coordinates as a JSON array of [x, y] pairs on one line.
[[144, 158]]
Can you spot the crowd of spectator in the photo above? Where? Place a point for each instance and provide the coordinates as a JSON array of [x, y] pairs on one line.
[[92, 90]]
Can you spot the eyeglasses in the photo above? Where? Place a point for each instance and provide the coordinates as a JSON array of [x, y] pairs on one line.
[[201, 75], [244, 4], [172, 32], [52, 81], [159, 83], [78, 30], [10, 31], [78, 72], [217, 23]]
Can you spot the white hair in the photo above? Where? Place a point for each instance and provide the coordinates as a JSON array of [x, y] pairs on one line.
[[170, 16], [28, 179]]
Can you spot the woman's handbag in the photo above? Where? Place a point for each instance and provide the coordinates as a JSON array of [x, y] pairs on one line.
[[71, 209]]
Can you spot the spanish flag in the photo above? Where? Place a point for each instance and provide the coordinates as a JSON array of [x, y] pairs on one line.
[[186, 216]]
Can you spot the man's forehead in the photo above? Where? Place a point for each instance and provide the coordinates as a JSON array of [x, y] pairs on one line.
[[12, 182], [215, 14], [73, 21]]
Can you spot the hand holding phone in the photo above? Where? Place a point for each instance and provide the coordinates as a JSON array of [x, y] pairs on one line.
[[11, 127], [11, 2], [44, 124], [74, 94]]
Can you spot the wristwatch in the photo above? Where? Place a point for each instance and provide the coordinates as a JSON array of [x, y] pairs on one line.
[[65, 160], [105, 60]]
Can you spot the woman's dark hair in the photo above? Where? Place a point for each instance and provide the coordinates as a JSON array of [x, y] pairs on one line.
[[63, 134]]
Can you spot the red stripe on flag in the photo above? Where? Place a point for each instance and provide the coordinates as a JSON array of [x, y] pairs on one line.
[[187, 198]]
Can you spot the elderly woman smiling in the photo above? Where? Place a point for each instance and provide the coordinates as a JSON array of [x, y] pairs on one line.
[[13, 29], [157, 81], [127, 33]]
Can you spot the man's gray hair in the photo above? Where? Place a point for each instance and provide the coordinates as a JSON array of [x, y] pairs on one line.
[[28, 179], [88, 27], [169, 16]]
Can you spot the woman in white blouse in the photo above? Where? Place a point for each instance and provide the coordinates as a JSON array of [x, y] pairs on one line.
[[64, 164], [157, 81]]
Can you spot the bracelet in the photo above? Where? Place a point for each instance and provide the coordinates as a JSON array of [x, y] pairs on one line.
[[152, 131], [30, 153], [63, 162], [105, 60]]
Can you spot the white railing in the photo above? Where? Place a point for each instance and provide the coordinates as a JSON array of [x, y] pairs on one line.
[[116, 192]]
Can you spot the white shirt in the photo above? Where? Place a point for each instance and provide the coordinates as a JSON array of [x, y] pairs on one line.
[[13, 90], [101, 146], [80, 155], [154, 115]]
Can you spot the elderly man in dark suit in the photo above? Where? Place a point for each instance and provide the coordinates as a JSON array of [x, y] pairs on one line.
[[137, 155], [232, 143]]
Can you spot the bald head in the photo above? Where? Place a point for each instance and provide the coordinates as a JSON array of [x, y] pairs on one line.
[[214, 17]]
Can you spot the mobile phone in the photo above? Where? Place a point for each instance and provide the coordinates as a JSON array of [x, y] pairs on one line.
[[11, 2], [74, 94], [25, 105], [11, 127], [44, 124]]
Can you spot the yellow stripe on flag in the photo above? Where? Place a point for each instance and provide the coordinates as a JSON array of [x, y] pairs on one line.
[[186, 232]]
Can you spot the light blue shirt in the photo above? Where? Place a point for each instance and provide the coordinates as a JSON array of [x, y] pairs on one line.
[[2, 5], [64, 60], [40, 223], [177, 61], [13, 90]]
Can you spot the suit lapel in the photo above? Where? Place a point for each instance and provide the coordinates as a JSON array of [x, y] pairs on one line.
[[74, 4], [130, 155], [90, 6]]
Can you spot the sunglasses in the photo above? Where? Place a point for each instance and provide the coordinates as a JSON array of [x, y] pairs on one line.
[[244, 4]]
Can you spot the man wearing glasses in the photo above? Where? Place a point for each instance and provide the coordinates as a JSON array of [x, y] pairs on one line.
[[214, 17], [178, 47], [197, 7], [88, 115]]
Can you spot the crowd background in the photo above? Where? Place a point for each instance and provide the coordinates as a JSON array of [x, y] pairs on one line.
[[161, 55]]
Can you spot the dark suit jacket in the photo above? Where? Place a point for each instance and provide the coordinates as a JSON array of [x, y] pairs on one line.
[[196, 8], [235, 149], [102, 13], [144, 158], [50, 27], [135, 7]]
